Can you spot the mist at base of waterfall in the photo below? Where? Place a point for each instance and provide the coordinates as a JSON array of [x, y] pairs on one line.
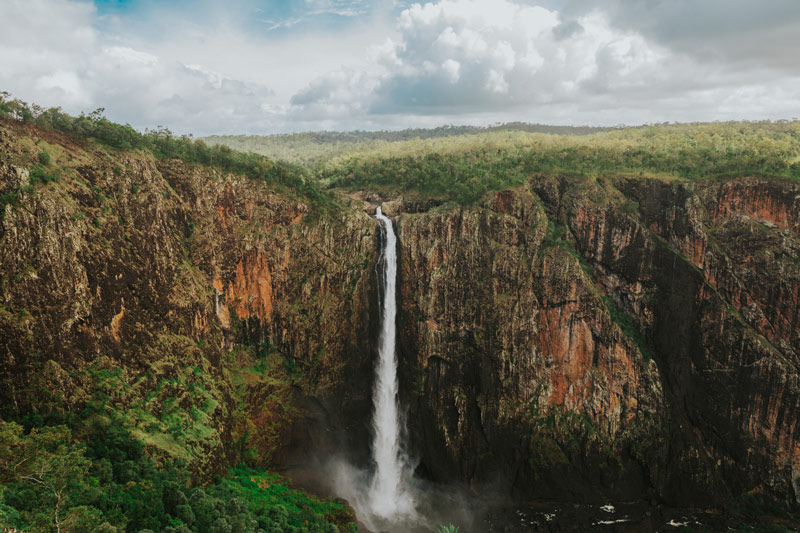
[[431, 505]]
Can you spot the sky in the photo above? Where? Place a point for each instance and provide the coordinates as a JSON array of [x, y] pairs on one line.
[[262, 67]]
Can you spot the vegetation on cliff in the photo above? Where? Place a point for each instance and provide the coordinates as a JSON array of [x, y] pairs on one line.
[[162, 143], [126, 405]]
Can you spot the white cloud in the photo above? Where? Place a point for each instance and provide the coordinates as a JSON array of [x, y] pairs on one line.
[[51, 54], [493, 60], [450, 61], [129, 55], [40, 48], [452, 70], [278, 24], [731, 31], [491, 55]]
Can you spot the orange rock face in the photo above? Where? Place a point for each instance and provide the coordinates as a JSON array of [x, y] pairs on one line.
[[115, 322], [250, 292], [761, 200]]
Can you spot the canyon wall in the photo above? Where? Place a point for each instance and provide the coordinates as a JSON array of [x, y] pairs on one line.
[[217, 314], [588, 339], [571, 338], [520, 378]]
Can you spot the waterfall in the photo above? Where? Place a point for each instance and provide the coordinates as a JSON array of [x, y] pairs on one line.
[[388, 495]]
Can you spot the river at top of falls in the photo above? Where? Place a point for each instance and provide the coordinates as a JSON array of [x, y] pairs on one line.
[[388, 496]]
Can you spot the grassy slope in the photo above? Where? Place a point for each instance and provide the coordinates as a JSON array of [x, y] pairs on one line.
[[462, 163]]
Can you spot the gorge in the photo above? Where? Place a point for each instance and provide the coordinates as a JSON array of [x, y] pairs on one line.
[[565, 337]]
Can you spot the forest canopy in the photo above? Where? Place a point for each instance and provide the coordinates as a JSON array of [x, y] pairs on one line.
[[465, 167]]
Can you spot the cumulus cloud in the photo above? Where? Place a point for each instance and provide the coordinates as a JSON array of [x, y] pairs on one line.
[[727, 31], [482, 55], [591, 62]]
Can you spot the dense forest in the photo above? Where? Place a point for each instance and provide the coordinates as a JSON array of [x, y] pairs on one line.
[[86, 472]]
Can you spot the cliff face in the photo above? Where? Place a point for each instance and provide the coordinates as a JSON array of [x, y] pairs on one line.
[[521, 379], [581, 339], [217, 313], [569, 338], [726, 328]]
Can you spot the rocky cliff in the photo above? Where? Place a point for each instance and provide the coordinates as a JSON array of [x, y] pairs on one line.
[[219, 314], [577, 338], [570, 338], [521, 377]]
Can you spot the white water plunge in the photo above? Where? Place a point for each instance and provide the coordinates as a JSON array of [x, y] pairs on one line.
[[389, 496]]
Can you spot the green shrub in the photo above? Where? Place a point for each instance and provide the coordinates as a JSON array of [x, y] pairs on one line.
[[39, 174], [8, 198], [628, 327], [44, 158]]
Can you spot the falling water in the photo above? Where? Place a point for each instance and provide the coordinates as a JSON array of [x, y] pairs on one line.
[[388, 495]]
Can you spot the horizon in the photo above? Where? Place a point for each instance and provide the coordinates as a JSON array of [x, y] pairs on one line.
[[500, 126], [487, 128]]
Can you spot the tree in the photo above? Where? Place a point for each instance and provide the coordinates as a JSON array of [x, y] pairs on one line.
[[46, 459]]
